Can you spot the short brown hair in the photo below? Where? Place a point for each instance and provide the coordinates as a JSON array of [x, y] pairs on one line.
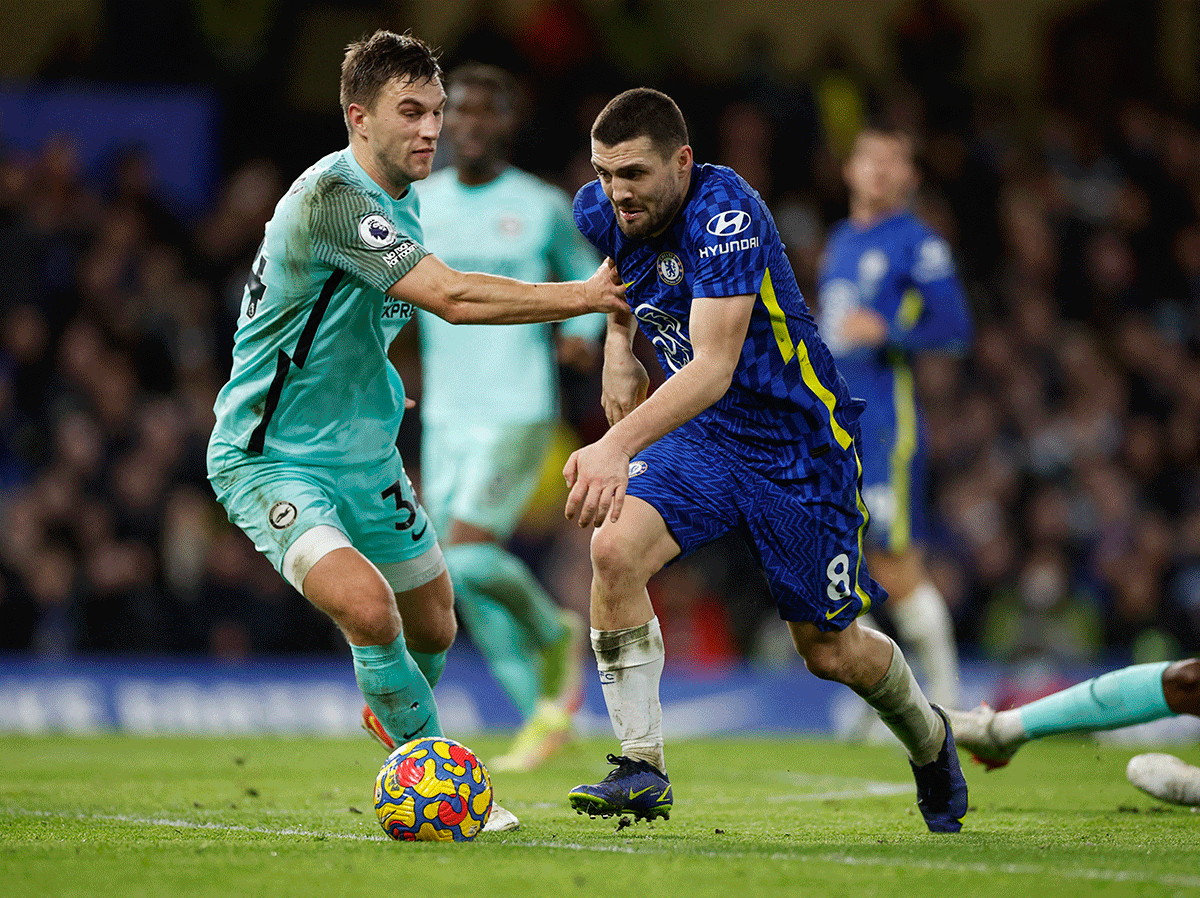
[[371, 63], [642, 112]]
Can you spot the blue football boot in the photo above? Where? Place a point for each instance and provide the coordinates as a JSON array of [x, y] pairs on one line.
[[941, 786], [634, 787]]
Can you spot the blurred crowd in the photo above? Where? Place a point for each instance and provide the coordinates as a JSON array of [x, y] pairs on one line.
[[1065, 447]]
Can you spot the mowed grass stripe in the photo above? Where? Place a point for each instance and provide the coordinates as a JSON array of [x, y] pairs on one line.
[[650, 848]]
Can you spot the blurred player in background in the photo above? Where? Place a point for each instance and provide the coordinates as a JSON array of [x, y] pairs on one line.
[[1137, 694], [753, 432], [888, 290], [303, 455], [490, 405]]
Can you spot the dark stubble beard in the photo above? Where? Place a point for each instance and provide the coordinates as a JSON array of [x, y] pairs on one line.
[[668, 206]]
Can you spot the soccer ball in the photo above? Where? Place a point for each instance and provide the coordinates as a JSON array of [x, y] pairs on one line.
[[433, 789]]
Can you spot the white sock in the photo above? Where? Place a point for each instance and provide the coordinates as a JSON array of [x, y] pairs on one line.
[[1008, 730], [630, 662], [907, 713], [923, 624]]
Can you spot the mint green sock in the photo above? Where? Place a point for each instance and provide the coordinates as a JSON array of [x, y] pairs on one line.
[[505, 645], [1118, 699], [490, 570], [396, 690], [432, 666]]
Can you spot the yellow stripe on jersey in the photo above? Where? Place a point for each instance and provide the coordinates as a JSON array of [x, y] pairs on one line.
[[778, 320], [788, 349], [912, 304], [862, 528], [903, 449]]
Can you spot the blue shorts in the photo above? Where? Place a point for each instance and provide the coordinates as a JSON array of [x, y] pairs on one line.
[[807, 534], [895, 471]]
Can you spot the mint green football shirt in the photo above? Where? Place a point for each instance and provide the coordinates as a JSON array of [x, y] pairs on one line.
[[311, 380], [520, 227]]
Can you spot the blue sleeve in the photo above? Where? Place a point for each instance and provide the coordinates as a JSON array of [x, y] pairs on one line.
[[590, 219], [933, 315], [730, 238]]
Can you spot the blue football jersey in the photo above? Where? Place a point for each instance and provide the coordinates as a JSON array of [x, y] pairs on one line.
[[901, 269], [904, 271], [787, 406]]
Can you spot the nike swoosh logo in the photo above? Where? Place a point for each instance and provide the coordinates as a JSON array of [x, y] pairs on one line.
[[830, 615], [408, 736], [416, 536], [633, 795]]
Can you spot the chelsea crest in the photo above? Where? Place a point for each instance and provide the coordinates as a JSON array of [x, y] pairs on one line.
[[670, 269]]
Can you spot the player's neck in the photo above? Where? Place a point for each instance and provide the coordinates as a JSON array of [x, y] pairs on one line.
[[865, 213]]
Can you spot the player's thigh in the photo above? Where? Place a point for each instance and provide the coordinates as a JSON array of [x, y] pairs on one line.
[[484, 474], [634, 547], [284, 508], [808, 537], [690, 486], [427, 611], [392, 529], [352, 591], [385, 521]]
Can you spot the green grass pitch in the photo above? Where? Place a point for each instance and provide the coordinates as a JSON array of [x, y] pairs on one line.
[[126, 816]]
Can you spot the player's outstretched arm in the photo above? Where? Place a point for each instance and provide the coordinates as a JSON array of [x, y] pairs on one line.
[[624, 381], [597, 475], [474, 298]]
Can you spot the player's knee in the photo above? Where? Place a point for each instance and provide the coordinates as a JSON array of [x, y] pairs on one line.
[[1181, 686], [615, 559], [434, 634], [824, 658], [365, 611]]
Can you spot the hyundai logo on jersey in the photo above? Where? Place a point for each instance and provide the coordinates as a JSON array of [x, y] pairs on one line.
[[728, 223]]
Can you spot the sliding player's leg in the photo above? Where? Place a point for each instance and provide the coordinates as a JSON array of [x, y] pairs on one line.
[[1136, 694]]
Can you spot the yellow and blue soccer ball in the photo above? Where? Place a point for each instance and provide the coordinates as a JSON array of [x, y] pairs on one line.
[[433, 790]]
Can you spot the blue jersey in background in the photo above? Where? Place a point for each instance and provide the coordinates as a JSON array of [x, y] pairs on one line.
[[904, 271]]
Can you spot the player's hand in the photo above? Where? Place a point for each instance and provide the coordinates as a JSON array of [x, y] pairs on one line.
[[864, 328], [409, 403], [623, 384], [597, 476], [605, 290]]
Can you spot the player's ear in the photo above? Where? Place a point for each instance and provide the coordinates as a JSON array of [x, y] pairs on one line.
[[683, 159], [356, 115]]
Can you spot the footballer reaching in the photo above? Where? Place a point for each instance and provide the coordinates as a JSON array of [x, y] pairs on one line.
[[303, 455]]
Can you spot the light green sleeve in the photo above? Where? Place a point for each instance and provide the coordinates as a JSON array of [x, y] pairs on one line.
[[573, 259], [351, 232]]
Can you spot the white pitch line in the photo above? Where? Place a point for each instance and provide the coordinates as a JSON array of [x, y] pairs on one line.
[[201, 825], [1095, 875]]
